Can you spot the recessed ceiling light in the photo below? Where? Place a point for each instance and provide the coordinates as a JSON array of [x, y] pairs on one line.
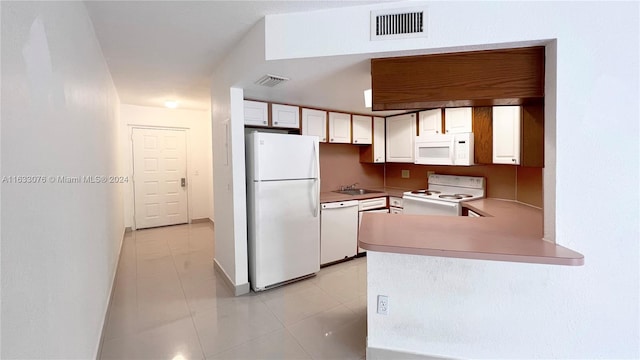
[[171, 104]]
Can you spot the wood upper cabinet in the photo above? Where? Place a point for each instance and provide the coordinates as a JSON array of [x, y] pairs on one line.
[[376, 152], [285, 116], [314, 122], [339, 128], [506, 134], [401, 135], [482, 124], [458, 120], [256, 113], [362, 129], [430, 122], [476, 78]]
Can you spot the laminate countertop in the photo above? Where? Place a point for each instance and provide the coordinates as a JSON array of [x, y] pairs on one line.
[[508, 231], [330, 196]]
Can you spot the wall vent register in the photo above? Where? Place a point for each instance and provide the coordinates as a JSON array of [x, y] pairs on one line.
[[402, 23], [271, 80]]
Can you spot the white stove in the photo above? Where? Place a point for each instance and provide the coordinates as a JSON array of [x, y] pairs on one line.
[[443, 195]]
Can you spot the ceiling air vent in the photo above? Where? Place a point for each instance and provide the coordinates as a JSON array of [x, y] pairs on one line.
[[406, 23], [271, 80]]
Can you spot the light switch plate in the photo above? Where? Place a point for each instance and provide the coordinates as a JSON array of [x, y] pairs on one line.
[[405, 174]]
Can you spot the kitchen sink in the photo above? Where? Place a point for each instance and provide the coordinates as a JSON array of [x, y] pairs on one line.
[[357, 192]]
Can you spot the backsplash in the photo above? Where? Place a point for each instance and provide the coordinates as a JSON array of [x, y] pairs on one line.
[[340, 165], [529, 186], [500, 179]]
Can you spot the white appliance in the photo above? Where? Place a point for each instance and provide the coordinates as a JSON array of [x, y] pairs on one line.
[[283, 208], [338, 231], [444, 195], [375, 205], [444, 149]]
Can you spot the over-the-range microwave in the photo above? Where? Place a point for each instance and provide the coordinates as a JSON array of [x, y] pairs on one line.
[[444, 149]]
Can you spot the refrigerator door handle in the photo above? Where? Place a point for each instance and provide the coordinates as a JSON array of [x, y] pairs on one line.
[[316, 156]]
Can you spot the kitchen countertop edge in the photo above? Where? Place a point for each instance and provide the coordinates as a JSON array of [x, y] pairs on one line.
[[510, 231], [330, 196]]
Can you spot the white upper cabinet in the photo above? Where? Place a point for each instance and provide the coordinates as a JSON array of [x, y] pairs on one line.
[[339, 128], [506, 134], [401, 135], [314, 122], [430, 122], [378, 140], [458, 120], [361, 129], [256, 113], [285, 116]]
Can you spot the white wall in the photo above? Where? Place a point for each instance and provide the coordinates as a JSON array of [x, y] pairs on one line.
[[198, 127], [227, 117], [476, 309], [60, 242]]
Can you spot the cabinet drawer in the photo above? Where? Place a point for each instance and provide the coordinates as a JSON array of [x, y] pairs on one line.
[[395, 210], [372, 204], [395, 201]]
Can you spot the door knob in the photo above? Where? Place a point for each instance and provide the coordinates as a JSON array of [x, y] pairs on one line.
[[183, 182]]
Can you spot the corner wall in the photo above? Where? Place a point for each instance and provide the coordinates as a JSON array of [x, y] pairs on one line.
[[60, 241], [198, 126]]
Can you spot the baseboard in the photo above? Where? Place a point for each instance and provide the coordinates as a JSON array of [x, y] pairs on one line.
[[105, 320], [203, 220], [237, 289], [389, 354]]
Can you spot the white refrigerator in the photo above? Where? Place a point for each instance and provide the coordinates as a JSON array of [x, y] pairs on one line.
[[283, 208]]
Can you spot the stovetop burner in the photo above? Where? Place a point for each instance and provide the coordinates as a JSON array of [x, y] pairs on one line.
[[425, 192], [454, 197], [464, 195]]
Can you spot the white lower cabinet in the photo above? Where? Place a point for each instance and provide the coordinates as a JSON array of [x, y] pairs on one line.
[[395, 205], [338, 231]]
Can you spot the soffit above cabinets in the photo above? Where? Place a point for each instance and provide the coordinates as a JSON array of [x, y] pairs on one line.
[[476, 78]]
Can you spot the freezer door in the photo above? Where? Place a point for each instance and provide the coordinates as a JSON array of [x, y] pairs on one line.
[[284, 157], [284, 242]]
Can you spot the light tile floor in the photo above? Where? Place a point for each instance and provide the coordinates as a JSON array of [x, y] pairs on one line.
[[168, 303]]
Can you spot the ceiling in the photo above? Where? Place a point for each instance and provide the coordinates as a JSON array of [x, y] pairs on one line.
[[167, 50]]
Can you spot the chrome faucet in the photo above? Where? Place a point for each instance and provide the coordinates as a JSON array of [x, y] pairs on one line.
[[348, 187]]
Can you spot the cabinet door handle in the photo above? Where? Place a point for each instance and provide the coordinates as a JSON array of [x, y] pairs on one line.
[[275, 122], [514, 160], [331, 140], [264, 122], [324, 139], [355, 141]]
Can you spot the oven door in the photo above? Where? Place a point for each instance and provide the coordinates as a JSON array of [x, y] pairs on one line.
[[435, 149], [416, 206]]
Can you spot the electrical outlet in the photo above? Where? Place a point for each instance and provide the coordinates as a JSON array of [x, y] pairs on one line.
[[383, 305], [405, 174]]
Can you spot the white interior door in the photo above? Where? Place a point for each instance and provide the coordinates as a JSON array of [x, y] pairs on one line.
[[159, 176]]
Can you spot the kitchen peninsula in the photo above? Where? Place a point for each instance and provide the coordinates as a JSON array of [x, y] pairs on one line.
[[437, 287], [507, 231]]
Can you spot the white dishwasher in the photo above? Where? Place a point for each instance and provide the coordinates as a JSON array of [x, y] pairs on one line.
[[338, 231]]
